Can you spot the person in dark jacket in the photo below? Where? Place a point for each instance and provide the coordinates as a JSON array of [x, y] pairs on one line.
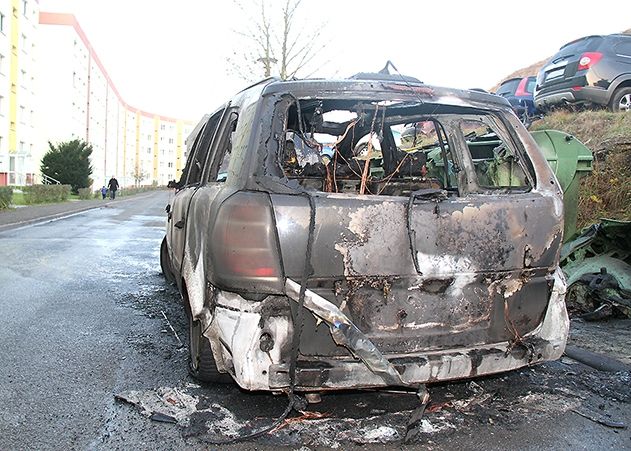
[[112, 185]]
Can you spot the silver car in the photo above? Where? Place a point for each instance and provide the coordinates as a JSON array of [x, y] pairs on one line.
[[316, 250]]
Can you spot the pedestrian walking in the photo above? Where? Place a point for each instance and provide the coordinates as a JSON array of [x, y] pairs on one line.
[[113, 186], [104, 192]]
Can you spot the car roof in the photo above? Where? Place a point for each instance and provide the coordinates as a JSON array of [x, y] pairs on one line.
[[347, 87], [604, 36]]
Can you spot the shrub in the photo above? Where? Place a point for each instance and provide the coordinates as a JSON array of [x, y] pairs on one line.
[[85, 193], [69, 163], [6, 195], [37, 194]]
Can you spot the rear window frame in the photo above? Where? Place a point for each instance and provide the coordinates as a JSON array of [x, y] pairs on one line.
[[281, 103]]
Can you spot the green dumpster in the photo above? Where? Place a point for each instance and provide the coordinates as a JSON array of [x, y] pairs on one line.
[[570, 160]]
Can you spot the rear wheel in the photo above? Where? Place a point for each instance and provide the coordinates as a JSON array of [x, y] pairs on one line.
[[165, 263], [621, 100], [201, 363]]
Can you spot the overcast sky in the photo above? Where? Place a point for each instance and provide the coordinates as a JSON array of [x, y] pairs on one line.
[[169, 57]]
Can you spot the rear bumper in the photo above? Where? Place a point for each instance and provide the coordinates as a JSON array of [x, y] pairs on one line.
[[546, 100], [238, 325]]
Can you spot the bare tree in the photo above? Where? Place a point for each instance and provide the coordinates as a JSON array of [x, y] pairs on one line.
[[138, 175], [276, 41]]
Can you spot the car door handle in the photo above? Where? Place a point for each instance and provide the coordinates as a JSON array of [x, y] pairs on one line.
[[179, 224]]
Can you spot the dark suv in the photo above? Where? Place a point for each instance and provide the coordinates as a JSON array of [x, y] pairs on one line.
[[316, 249], [519, 93], [594, 70]]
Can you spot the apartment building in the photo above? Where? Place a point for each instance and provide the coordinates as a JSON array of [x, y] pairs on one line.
[[19, 146], [67, 93], [78, 99]]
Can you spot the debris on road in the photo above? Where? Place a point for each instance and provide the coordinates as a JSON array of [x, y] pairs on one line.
[[305, 416], [601, 420], [597, 361], [162, 403], [180, 344]]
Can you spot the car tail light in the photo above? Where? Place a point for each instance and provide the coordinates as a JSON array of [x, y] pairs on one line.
[[521, 88], [244, 252], [588, 59]]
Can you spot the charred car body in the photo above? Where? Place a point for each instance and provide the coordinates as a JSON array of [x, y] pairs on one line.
[[365, 233]]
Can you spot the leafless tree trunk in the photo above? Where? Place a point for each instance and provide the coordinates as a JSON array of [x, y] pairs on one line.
[[286, 53]]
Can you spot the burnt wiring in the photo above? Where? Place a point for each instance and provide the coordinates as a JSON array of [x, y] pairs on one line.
[[295, 343], [362, 186], [350, 126]]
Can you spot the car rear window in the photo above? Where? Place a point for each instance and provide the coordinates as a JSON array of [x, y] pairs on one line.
[[588, 44], [530, 86], [377, 147], [508, 87]]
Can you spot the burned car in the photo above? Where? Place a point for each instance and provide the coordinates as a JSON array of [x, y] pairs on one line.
[[365, 233]]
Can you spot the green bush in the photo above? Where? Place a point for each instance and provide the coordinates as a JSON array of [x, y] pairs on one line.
[[37, 194], [6, 195], [137, 190], [85, 193]]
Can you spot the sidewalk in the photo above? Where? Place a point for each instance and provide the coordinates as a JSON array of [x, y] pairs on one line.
[[21, 216], [16, 217]]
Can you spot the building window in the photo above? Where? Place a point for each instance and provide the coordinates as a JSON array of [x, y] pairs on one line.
[[24, 43], [170, 140], [21, 113], [24, 7], [2, 22], [162, 126]]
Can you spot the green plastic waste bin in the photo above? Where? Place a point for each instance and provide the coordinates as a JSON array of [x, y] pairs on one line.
[[570, 160]]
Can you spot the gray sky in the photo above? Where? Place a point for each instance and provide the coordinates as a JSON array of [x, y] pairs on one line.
[[169, 57]]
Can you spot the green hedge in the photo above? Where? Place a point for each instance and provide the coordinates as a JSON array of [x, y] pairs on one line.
[[137, 190], [6, 195], [37, 194], [85, 193]]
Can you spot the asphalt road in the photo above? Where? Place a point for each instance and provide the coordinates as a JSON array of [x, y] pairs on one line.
[[81, 321]]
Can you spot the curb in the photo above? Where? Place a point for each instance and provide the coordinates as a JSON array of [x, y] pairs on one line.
[[49, 218]]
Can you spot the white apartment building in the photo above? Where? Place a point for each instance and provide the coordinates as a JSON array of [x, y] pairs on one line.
[[66, 93], [20, 150]]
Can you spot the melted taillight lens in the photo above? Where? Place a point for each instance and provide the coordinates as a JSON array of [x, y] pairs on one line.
[[588, 59], [244, 250]]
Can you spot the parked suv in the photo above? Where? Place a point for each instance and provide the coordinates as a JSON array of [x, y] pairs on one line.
[[519, 93], [594, 70], [309, 257]]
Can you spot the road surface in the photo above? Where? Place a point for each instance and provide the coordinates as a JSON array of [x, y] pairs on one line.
[[82, 320]]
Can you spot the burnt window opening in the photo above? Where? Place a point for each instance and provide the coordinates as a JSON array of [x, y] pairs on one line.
[[366, 147], [497, 163], [398, 147], [221, 160]]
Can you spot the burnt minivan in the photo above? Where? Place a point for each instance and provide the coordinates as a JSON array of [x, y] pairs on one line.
[[365, 233]]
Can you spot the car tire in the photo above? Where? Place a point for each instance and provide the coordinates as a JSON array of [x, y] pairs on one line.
[[165, 262], [621, 100], [201, 364]]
